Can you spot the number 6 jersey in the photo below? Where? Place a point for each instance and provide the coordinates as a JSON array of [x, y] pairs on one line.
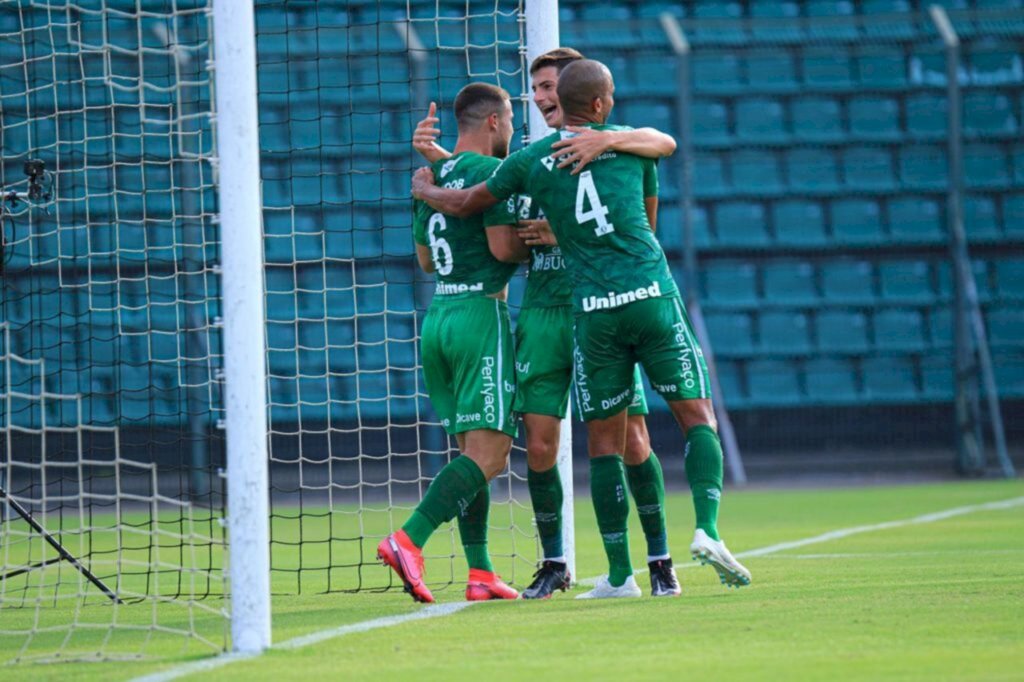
[[464, 266], [599, 219]]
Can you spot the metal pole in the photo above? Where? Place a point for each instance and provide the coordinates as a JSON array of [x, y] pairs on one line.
[[681, 47], [245, 389], [542, 35]]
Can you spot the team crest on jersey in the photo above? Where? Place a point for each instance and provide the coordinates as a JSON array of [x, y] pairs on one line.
[[548, 162], [449, 165]]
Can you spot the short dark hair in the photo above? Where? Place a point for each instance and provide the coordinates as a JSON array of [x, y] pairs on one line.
[[559, 58], [477, 101], [581, 83]]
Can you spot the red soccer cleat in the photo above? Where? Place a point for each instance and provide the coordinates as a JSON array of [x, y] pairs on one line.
[[484, 585], [398, 552]]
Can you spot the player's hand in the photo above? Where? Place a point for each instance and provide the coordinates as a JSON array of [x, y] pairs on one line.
[[421, 179], [536, 233], [424, 138], [582, 148]]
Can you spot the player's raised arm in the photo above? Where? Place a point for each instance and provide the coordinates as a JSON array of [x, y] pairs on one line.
[[460, 203], [588, 144], [424, 138]]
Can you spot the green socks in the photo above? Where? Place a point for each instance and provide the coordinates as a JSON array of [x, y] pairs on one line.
[[453, 490], [611, 506], [647, 484], [704, 471], [473, 530], [546, 495]]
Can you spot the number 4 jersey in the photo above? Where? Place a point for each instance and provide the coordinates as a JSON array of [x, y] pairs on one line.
[[464, 265], [599, 218]]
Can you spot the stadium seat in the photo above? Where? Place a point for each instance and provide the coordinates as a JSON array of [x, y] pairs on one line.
[[830, 381], [980, 221], [1017, 156], [868, 169], [708, 175], [784, 333], [937, 376], [889, 379], [1008, 367], [857, 222], [1013, 216], [811, 170], [728, 373], [653, 10], [916, 220], [923, 167], [882, 69], [817, 119], [897, 24], [875, 118], [899, 330], [770, 72], [798, 223], [827, 69], [755, 172], [986, 166], [740, 224], [730, 333], [988, 114], [730, 285], [1010, 279], [607, 25], [842, 332], [1005, 326], [760, 120], [995, 67], [981, 281], [906, 282], [710, 123], [789, 283], [725, 26], [847, 282], [773, 383], [779, 25], [716, 73], [926, 116]]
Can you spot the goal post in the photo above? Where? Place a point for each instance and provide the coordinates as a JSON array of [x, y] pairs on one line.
[[542, 35], [245, 374]]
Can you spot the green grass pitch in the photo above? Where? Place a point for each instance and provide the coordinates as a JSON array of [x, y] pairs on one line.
[[935, 601]]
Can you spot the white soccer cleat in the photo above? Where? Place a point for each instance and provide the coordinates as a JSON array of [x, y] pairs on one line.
[[604, 590], [731, 572]]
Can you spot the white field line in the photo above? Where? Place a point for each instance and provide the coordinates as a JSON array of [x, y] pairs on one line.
[[857, 530], [440, 610]]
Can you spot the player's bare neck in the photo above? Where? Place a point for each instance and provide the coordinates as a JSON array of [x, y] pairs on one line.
[[479, 143], [580, 120]]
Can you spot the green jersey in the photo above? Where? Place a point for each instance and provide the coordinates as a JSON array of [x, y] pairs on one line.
[[599, 218], [463, 263], [547, 281]]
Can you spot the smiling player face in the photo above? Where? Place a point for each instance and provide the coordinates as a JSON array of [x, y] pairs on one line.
[[545, 95]]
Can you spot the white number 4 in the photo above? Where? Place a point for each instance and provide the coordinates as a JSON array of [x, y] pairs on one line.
[[587, 192]]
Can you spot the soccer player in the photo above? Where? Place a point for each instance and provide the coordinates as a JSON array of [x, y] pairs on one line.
[[467, 348], [628, 310], [544, 353]]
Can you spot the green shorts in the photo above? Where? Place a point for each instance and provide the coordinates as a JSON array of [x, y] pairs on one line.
[[469, 365], [655, 332], [544, 363]]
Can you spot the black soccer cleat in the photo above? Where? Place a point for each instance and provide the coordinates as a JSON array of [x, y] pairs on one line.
[[551, 576], [664, 582]]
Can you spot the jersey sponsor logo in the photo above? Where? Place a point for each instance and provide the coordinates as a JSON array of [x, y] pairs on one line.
[[612, 402], [614, 300], [449, 165], [548, 162], [543, 262], [665, 388], [467, 418], [446, 423], [489, 389], [446, 288], [523, 367], [525, 204]]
